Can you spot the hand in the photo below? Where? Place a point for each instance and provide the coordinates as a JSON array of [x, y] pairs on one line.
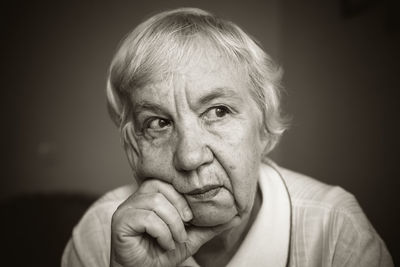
[[148, 228]]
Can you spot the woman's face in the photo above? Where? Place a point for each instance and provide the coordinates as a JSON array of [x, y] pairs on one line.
[[199, 130]]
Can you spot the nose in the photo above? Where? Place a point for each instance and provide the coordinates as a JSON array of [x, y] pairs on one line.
[[191, 150]]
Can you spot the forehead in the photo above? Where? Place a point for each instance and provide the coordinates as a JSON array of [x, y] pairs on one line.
[[175, 54], [207, 74]]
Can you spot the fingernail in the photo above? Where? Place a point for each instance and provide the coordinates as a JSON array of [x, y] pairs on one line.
[[187, 214], [172, 247]]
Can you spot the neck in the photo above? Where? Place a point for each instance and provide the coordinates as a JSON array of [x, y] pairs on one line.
[[219, 250]]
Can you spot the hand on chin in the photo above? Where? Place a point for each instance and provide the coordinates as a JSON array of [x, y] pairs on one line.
[[218, 210]]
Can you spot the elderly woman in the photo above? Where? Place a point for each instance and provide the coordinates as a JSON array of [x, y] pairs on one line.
[[197, 104]]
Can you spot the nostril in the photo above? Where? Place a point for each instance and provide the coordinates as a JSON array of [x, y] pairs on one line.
[[191, 158], [188, 160]]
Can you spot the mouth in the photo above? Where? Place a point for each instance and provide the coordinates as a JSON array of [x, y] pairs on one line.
[[204, 193]]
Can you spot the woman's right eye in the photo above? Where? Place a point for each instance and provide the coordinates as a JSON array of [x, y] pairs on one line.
[[157, 124]]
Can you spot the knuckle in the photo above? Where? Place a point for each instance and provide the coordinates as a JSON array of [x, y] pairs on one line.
[[146, 184], [149, 185], [149, 216], [176, 225], [158, 199], [120, 215]]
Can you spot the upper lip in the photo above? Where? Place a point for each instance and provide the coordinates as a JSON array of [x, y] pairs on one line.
[[203, 189]]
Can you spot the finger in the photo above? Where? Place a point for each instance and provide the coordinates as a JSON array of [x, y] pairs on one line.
[[158, 203], [176, 199], [148, 222]]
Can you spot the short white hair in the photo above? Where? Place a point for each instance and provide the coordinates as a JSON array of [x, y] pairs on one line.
[[170, 38]]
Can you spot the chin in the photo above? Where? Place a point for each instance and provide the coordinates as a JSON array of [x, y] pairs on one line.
[[210, 216]]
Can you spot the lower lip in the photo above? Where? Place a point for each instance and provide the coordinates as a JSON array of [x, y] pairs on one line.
[[206, 195]]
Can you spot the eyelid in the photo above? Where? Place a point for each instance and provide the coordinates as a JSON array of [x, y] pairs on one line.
[[149, 120], [227, 108], [142, 114]]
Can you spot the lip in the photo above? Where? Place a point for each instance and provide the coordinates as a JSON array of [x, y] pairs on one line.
[[206, 192]]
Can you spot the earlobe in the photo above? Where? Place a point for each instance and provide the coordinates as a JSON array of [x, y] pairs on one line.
[[264, 141]]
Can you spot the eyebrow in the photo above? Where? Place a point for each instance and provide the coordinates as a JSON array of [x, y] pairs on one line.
[[146, 105], [220, 92]]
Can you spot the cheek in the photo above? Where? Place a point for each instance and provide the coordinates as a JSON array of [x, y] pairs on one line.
[[245, 178], [154, 161], [239, 152]]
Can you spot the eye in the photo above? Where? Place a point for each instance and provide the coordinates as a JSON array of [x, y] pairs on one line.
[[216, 113], [157, 124]]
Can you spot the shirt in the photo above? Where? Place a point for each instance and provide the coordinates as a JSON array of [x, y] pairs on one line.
[[301, 222]]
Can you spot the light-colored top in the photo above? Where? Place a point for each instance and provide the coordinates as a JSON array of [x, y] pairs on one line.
[[301, 222]]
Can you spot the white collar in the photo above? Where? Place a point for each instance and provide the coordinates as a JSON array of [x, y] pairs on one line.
[[267, 242]]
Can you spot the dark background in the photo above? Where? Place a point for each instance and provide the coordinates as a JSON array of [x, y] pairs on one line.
[[341, 62]]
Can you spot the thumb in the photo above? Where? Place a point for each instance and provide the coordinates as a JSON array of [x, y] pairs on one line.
[[197, 236]]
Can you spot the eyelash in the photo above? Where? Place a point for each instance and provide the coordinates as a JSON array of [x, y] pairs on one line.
[[152, 119], [225, 109]]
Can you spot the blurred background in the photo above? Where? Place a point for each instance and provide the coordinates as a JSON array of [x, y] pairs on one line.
[[341, 61]]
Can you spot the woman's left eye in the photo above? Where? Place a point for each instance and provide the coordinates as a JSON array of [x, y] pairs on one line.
[[216, 113]]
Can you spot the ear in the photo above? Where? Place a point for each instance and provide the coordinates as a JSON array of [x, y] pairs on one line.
[[265, 140]]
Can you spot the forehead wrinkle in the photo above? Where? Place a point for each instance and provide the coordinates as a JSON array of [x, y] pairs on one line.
[[219, 92], [151, 98], [181, 96]]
